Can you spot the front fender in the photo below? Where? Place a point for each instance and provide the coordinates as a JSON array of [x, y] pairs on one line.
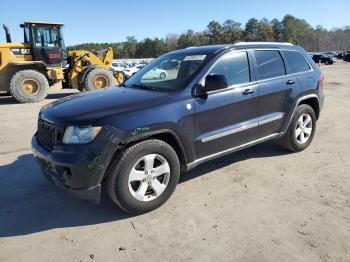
[[140, 133], [84, 73]]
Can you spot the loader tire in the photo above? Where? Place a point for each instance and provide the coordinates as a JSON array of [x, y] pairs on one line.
[[29, 86], [98, 78], [120, 77]]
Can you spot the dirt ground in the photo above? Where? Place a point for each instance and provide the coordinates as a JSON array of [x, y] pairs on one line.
[[260, 204]]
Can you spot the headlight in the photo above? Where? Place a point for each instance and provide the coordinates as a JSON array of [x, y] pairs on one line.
[[80, 135]]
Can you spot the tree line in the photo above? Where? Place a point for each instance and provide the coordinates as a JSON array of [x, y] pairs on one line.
[[289, 29]]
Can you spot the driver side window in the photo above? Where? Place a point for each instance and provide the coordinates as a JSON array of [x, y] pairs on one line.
[[234, 67]]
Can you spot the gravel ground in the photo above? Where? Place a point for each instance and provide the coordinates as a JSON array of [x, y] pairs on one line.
[[260, 204]]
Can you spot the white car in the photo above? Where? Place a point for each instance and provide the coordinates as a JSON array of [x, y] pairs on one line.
[[132, 70], [155, 73], [117, 66]]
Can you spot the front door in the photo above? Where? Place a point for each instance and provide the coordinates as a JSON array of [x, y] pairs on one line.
[[227, 118]]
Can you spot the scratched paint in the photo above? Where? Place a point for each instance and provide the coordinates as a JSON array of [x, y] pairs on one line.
[[96, 164], [140, 130]]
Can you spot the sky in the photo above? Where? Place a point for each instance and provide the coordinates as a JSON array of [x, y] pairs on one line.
[[106, 21]]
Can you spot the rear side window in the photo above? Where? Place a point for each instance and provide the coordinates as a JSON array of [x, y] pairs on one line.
[[296, 62], [270, 64], [234, 66]]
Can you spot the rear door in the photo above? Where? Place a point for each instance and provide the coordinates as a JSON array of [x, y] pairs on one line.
[[227, 118], [276, 91], [297, 65]]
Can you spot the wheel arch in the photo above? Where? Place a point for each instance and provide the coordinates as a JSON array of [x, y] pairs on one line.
[[166, 135], [15, 67], [311, 100], [84, 73]]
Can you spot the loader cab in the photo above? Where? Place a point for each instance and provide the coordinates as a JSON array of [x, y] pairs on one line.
[[46, 41]]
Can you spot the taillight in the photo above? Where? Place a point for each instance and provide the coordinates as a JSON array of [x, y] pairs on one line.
[[54, 56]]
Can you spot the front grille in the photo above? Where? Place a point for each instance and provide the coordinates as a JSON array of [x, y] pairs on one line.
[[49, 135]]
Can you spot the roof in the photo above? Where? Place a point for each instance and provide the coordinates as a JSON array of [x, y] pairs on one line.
[[42, 23]]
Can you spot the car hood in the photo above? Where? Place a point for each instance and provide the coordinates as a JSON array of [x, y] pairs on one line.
[[86, 108]]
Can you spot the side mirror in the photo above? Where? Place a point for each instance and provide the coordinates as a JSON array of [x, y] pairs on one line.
[[212, 83], [215, 82]]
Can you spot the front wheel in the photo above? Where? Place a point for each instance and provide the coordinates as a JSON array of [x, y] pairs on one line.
[[98, 78], [301, 129], [144, 176]]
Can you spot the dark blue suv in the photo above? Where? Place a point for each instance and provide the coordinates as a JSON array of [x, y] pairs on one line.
[[138, 137]]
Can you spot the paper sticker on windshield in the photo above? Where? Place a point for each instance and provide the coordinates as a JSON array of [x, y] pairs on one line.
[[195, 58]]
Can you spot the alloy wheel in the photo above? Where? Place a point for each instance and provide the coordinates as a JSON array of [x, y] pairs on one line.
[[149, 177], [303, 129]]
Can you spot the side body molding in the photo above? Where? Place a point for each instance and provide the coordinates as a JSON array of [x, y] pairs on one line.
[[277, 116]]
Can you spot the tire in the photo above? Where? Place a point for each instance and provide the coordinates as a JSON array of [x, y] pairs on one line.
[[29, 86], [124, 192], [98, 78], [120, 77], [297, 137], [162, 75], [326, 62]]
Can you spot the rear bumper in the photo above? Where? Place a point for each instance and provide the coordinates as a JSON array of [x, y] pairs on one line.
[[69, 171]]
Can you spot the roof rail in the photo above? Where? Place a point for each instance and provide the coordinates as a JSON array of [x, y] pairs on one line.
[[262, 43]]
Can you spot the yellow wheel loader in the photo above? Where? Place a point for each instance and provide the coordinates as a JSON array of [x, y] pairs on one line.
[[28, 69]]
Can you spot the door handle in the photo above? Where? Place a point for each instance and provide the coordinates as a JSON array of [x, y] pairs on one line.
[[248, 92], [290, 82]]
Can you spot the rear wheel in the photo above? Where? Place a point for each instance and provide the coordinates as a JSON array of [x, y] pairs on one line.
[[98, 78], [301, 129], [28, 86], [144, 177]]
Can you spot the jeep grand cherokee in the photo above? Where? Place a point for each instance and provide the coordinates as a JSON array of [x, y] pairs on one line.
[[138, 137]]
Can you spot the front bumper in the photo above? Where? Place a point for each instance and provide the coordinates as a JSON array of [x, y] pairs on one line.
[[78, 171]]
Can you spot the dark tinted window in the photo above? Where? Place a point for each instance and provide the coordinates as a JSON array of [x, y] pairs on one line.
[[234, 66], [296, 62], [270, 64]]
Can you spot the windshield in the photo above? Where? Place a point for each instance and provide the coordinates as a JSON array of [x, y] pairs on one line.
[[46, 36], [167, 73]]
